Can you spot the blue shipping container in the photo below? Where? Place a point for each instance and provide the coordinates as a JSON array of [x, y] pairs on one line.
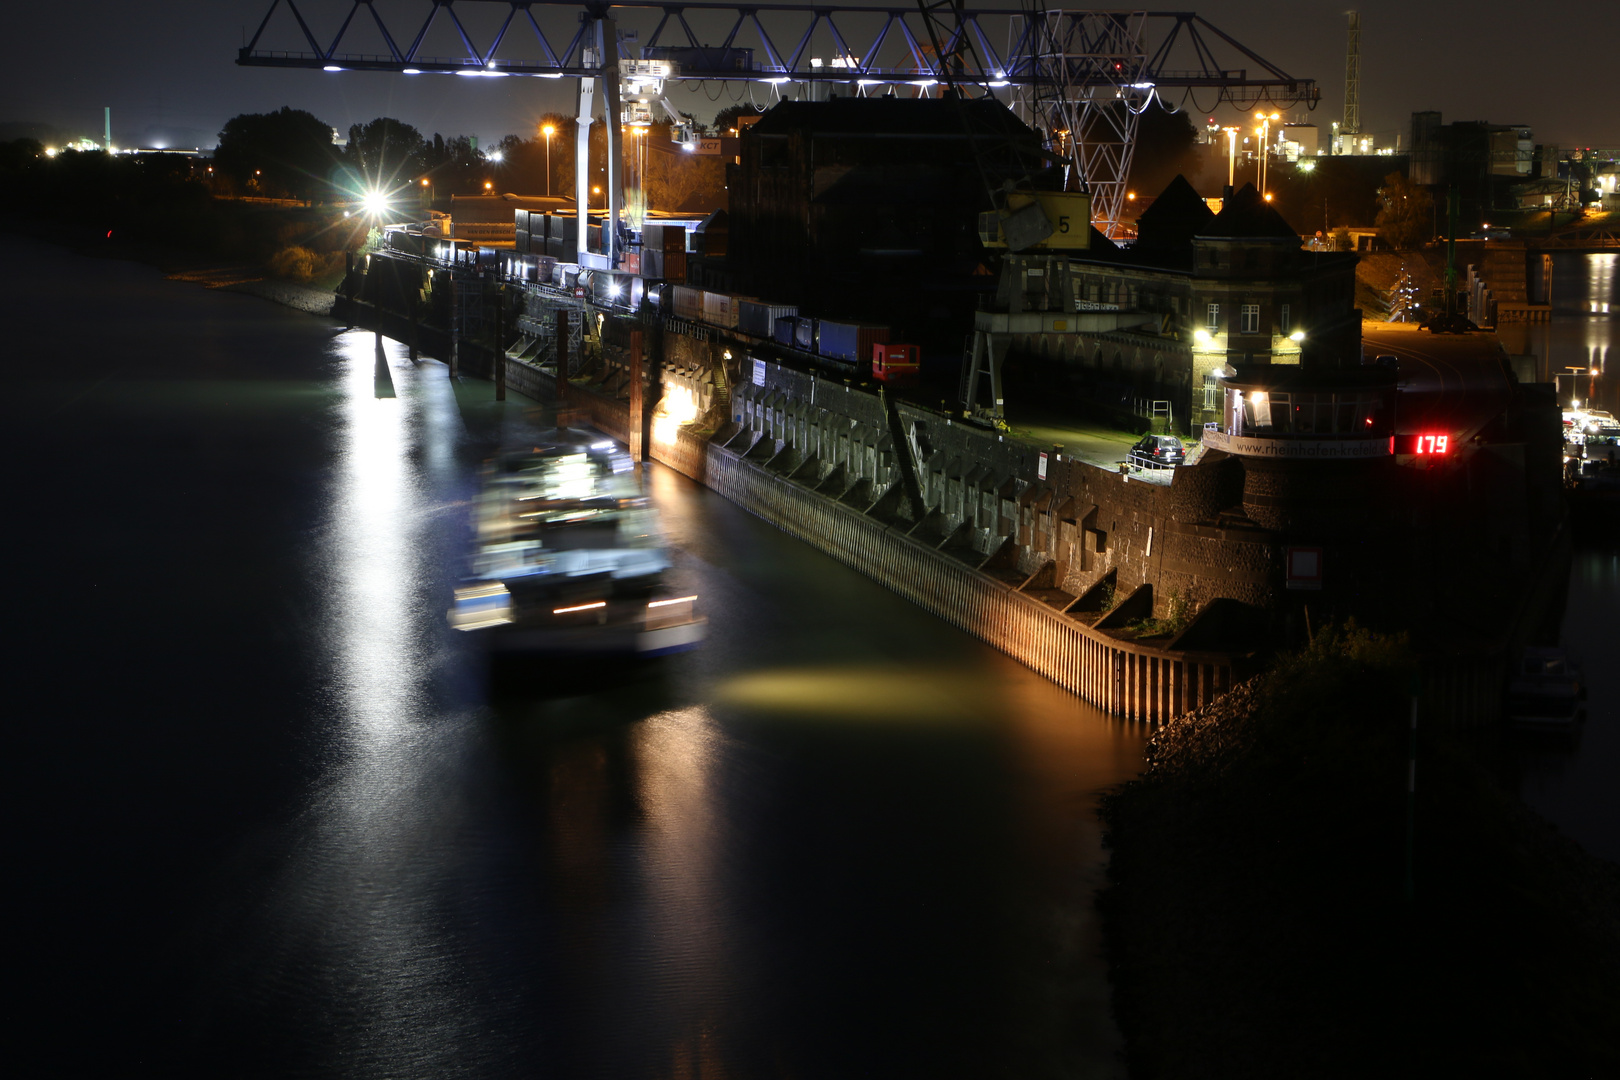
[[849, 342]]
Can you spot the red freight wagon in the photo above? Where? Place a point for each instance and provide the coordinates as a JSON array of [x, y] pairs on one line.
[[894, 363]]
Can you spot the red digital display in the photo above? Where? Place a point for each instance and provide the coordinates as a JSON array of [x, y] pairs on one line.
[[1431, 444]]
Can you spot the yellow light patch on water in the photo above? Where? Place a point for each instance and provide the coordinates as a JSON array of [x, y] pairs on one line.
[[894, 694]]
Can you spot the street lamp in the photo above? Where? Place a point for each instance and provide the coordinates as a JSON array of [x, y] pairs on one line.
[[1231, 155], [548, 131], [1265, 131]]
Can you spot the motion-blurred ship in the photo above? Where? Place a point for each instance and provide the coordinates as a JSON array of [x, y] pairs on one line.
[[570, 557]]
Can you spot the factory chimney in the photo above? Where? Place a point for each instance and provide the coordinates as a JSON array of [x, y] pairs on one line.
[[106, 128]]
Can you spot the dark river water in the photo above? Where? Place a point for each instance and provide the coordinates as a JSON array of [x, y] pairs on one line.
[[1575, 784], [268, 819]]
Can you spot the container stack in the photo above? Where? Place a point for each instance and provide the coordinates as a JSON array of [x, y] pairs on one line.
[[663, 251], [521, 236]]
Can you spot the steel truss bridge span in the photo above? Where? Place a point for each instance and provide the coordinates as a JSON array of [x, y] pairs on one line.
[[1080, 76]]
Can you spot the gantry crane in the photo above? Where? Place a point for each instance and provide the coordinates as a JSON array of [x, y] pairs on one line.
[[1080, 76]]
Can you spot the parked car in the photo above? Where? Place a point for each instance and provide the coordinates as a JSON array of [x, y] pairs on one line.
[[1158, 450]]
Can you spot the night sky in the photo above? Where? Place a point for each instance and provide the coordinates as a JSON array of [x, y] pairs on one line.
[[168, 69]]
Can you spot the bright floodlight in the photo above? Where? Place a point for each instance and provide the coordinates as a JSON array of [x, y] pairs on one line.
[[375, 202], [496, 155]]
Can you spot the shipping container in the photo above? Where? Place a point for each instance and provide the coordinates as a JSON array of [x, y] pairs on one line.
[[804, 333], [688, 303], [521, 219], [721, 309], [895, 363], [670, 239], [758, 318], [847, 341], [632, 262], [652, 263], [674, 266], [783, 329]]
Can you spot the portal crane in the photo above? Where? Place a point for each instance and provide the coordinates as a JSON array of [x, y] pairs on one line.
[[1081, 76]]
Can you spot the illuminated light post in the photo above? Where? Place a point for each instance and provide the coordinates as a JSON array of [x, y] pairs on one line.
[[548, 131], [1265, 132], [1231, 155]]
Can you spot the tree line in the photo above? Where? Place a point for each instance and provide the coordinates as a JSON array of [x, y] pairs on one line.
[[293, 154]]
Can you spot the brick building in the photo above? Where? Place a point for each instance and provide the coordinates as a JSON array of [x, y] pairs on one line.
[[1204, 291], [868, 207]]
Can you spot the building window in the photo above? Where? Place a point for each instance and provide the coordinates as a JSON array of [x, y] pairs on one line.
[[1251, 318], [1214, 318], [1212, 390], [1284, 322]]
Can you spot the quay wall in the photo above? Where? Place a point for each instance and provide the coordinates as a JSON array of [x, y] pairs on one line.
[[1125, 678], [1056, 562]]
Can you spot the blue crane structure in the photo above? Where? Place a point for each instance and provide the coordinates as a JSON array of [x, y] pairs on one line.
[[1081, 77]]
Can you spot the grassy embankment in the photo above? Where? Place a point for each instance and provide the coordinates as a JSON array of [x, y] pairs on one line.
[[1257, 919]]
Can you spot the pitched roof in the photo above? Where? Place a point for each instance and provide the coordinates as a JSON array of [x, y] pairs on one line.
[[1174, 218], [1247, 216]]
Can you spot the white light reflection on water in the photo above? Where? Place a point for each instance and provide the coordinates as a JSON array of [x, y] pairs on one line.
[[363, 895], [689, 970], [370, 544], [1600, 282], [1579, 336]]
